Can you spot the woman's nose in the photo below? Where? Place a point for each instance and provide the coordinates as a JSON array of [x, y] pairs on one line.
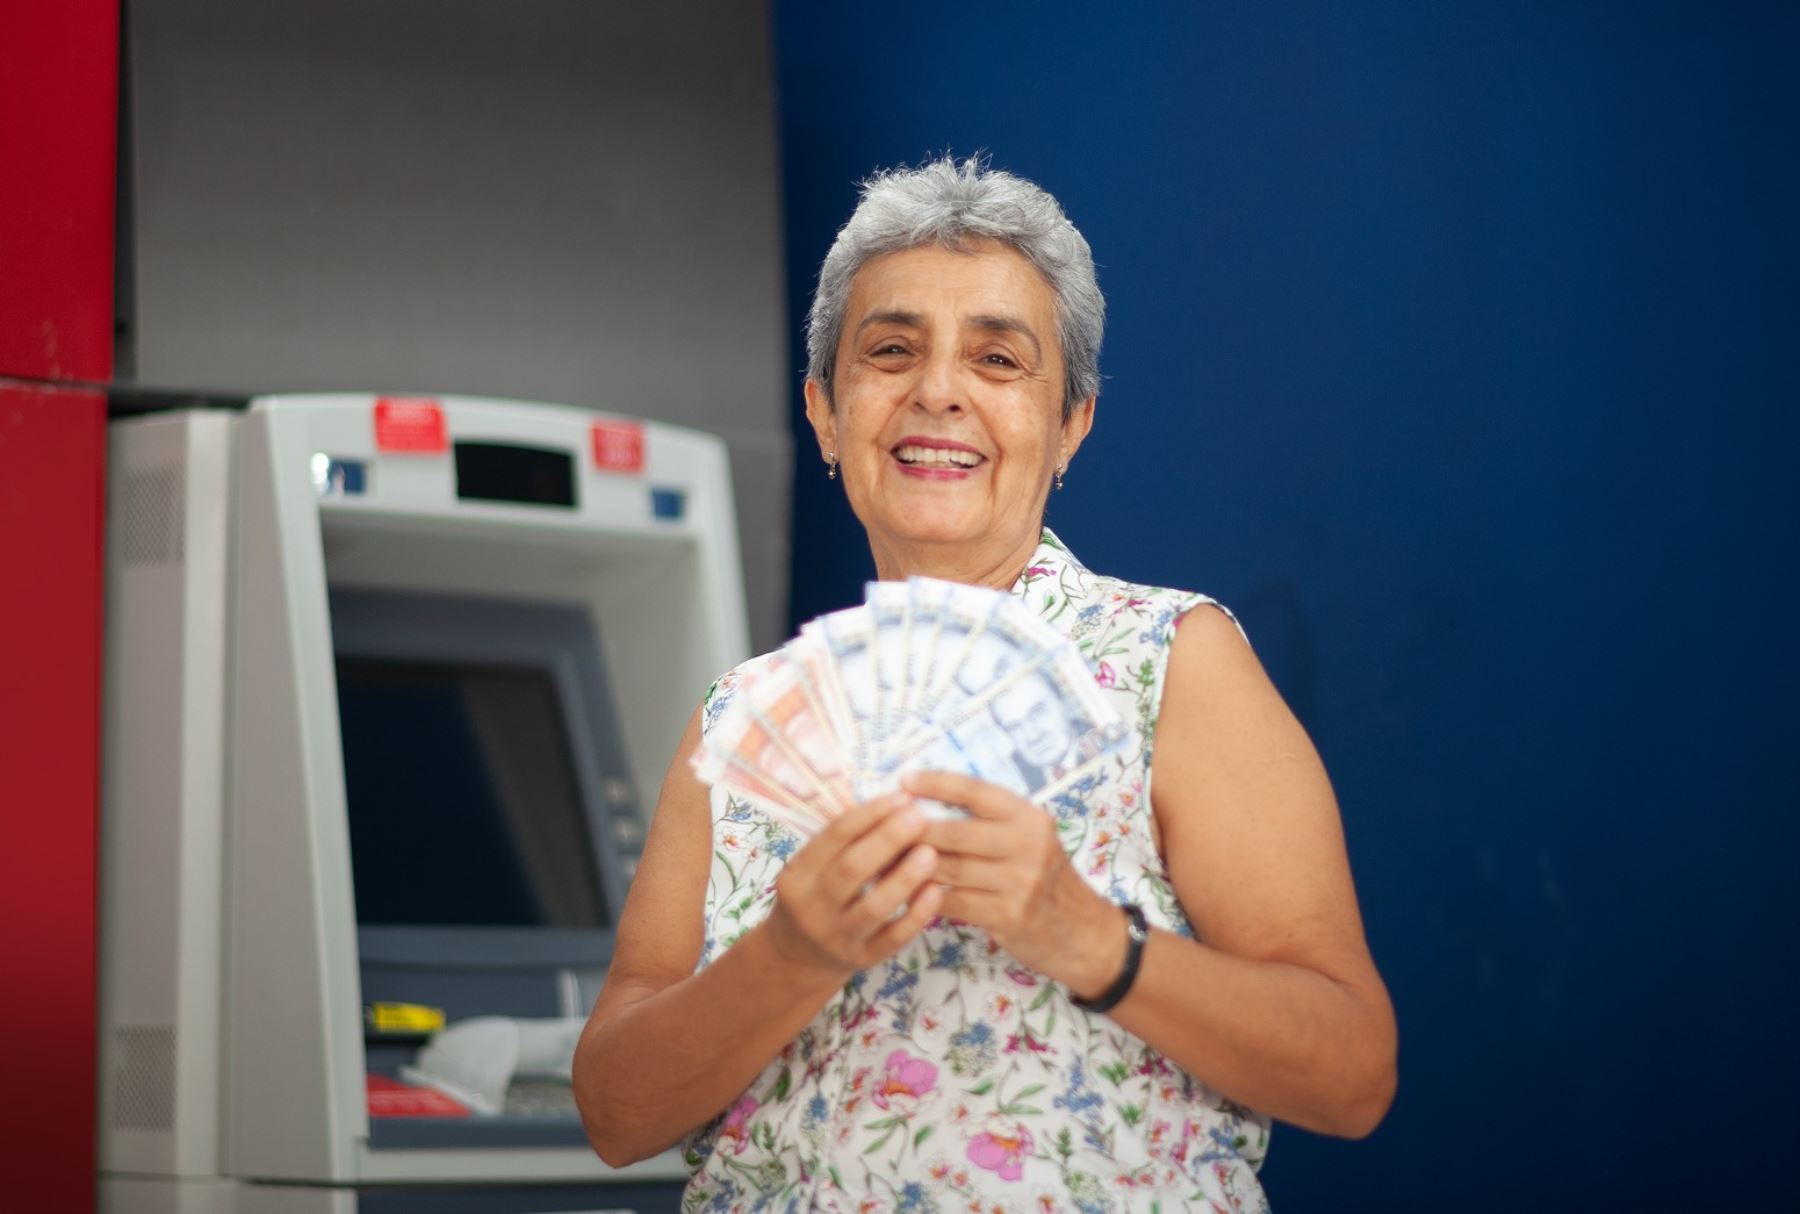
[[940, 388]]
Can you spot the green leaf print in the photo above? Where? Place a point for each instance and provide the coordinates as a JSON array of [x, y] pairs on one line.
[[732, 871], [1013, 1109], [981, 1089], [922, 1135], [782, 1084], [1131, 1113]]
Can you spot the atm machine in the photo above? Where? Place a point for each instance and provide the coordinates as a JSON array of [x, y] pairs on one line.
[[390, 683]]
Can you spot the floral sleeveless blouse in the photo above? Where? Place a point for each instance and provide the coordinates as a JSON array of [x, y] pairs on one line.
[[950, 1077]]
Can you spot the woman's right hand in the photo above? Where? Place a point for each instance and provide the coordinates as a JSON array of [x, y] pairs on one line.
[[858, 892]]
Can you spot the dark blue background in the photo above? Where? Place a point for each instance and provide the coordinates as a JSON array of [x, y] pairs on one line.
[[1455, 346]]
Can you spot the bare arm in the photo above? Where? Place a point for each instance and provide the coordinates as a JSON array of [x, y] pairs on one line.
[[666, 1049], [1278, 1005]]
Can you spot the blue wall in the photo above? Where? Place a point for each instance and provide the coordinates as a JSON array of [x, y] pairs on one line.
[[1455, 346]]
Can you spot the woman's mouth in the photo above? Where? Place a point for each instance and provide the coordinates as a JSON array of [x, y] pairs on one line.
[[937, 459]]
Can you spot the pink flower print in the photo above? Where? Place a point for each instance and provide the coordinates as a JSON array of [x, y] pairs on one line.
[[1021, 975], [1037, 571], [736, 1130], [1106, 676], [1001, 1148], [904, 1080]]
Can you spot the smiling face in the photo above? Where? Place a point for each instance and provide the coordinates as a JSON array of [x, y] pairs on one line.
[[946, 417]]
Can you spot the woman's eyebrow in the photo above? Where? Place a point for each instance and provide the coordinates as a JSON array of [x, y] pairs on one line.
[[910, 320], [1006, 324]]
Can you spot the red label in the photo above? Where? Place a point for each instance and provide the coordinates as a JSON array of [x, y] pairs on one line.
[[391, 1098], [618, 446], [413, 424]]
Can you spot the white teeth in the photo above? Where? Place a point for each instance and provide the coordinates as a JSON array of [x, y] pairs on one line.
[[936, 457]]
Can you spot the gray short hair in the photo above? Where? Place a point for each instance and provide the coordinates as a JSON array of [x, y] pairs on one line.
[[951, 204]]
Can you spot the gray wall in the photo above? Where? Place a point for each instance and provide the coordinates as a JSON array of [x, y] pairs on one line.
[[559, 200]]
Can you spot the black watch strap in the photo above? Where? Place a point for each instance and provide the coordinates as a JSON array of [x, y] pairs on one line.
[[1137, 930]]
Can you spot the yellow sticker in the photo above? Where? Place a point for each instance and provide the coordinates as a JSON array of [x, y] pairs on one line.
[[405, 1018]]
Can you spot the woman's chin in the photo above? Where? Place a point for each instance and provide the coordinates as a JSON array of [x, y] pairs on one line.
[[937, 527]]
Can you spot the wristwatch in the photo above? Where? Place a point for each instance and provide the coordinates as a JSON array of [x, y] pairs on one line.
[[1137, 930]]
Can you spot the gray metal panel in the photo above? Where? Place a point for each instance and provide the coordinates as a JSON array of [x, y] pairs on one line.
[[546, 1199], [162, 797], [562, 200], [474, 1133], [762, 483]]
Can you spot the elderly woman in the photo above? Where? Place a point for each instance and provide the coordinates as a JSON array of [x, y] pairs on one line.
[[1098, 1008]]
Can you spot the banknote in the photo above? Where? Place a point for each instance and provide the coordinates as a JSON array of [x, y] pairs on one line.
[[925, 675]]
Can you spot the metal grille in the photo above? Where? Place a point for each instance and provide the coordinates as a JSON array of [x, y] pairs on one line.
[[149, 517], [144, 1078]]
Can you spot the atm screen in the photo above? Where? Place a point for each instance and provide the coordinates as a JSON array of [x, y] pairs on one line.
[[463, 801]]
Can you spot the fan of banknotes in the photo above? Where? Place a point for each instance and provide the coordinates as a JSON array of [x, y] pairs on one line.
[[924, 675]]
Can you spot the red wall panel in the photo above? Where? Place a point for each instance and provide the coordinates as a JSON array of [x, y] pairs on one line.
[[58, 160], [52, 463], [59, 73]]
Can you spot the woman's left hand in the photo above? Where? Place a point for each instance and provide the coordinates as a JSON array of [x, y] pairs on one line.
[[1005, 870]]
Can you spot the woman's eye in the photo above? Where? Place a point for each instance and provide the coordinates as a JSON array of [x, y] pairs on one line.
[[998, 360]]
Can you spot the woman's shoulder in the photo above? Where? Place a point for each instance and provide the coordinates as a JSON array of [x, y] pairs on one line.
[[725, 686], [1155, 610]]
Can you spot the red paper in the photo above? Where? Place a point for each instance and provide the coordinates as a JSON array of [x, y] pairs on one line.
[[411, 424], [618, 446], [391, 1098]]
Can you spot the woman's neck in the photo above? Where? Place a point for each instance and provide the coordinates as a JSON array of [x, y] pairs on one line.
[[990, 565]]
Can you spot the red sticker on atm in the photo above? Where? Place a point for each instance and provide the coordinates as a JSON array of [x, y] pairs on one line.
[[391, 1098], [618, 446], [411, 424]]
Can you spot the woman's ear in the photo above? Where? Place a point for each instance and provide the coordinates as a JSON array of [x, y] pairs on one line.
[[1074, 430], [823, 418]]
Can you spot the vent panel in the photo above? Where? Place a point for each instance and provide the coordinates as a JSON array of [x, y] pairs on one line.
[[143, 1077], [148, 517]]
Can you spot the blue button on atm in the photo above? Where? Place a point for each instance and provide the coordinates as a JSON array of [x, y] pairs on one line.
[[668, 503]]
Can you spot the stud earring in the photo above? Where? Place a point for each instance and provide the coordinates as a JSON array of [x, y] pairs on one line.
[[831, 465]]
